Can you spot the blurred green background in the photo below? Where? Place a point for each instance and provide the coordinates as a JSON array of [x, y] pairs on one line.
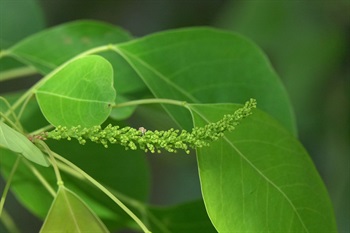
[[307, 43]]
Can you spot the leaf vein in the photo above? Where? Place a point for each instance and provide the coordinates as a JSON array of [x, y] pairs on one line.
[[71, 98]]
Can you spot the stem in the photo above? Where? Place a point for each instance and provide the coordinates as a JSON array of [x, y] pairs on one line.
[[23, 106], [8, 222], [132, 202], [64, 167], [43, 129], [158, 223], [13, 115], [105, 191], [40, 178], [8, 183], [17, 73], [53, 162], [151, 101], [10, 122], [3, 53]]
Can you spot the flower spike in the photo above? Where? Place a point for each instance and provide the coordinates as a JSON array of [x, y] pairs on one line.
[[154, 141]]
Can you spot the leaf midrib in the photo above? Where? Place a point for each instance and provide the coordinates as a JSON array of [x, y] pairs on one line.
[[70, 210], [126, 54], [71, 98]]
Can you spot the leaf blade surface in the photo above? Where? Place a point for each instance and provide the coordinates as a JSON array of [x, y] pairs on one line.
[[204, 65], [18, 143], [81, 93], [264, 180], [69, 213], [52, 47]]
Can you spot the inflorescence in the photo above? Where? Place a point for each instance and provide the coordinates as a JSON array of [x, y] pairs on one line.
[[154, 141]]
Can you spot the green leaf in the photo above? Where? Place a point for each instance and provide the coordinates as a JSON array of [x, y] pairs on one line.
[[81, 93], [259, 178], [31, 20], [203, 65], [18, 143], [50, 48], [69, 213], [305, 74], [126, 79], [185, 218]]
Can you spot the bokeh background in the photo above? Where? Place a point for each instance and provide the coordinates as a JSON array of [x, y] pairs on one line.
[[306, 41]]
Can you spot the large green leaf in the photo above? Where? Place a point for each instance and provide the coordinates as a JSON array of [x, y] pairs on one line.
[[207, 65], [277, 23], [69, 213], [81, 93], [18, 143], [52, 47], [312, 78], [259, 178]]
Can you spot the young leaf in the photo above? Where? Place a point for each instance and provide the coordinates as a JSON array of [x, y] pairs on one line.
[[18, 143], [203, 65], [259, 178], [69, 213], [81, 93]]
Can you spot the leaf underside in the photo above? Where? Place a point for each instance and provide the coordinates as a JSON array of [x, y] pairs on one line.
[[18, 143]]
